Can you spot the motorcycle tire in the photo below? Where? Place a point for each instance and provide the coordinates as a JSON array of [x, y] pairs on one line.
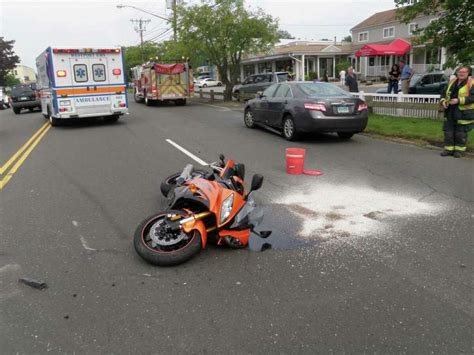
[[170, 182], [159, 255]]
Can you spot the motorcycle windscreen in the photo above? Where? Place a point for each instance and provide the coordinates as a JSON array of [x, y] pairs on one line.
[[250, 214]]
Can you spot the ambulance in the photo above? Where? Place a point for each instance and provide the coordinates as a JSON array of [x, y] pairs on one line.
[[81, 83], [157, 82]]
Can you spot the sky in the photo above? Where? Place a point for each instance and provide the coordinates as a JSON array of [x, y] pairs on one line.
[[37, 24]]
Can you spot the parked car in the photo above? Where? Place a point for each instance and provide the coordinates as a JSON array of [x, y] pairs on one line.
[[24, 97], [199, 78], [295, 107], [208, 82], [425, 84], [4, 99], [255, 83]]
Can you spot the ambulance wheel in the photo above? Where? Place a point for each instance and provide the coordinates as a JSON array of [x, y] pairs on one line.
[[54, 121], [112, 119], [16, 110]]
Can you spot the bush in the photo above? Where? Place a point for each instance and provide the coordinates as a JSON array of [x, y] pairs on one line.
[[342, 66], [311, 76]]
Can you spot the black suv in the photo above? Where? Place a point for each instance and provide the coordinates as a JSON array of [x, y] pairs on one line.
[[428, 83], [24, 97], [255, 83]]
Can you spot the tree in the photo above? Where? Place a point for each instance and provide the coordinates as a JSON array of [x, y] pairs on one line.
[[282, 34], [136, 55], [453, 29], [8, 59], [347, 39], [225, 31], [10, 80]]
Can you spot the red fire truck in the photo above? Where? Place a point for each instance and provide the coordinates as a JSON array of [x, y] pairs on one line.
[[154, 82]]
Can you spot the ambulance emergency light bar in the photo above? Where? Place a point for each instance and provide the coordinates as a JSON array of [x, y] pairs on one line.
[[86, 50]]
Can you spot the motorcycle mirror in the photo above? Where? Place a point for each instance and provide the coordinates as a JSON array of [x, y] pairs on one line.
[[257, 181]]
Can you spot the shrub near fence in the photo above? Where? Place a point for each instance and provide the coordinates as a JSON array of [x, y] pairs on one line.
[[402, 105]]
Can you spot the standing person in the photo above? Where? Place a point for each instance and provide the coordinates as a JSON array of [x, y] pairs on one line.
[[393, 77], [342, 76], [406, 74], [458, 103], [351, 80]]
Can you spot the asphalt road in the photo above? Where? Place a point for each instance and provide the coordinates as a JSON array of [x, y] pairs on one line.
[[375, 256]]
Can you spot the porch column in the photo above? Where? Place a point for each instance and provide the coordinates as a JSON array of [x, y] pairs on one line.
[[256, 68], [314, 64], [366, 62], [242, 75], [274, 65], [317, 67], [334, 67], [302, 68], [443, 57]]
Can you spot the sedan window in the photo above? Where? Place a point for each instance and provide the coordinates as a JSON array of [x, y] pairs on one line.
[[270, 91], [283, 91], [322, 90]]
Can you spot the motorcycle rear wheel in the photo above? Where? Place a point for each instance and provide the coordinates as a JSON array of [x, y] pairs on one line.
[[170, 182], [166, 253]]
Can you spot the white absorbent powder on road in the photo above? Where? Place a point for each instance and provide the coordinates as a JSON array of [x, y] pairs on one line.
[[332, 211]]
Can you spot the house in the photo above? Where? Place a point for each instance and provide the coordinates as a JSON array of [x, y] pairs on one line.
[[382, 40], [300, 58], [25, 74]]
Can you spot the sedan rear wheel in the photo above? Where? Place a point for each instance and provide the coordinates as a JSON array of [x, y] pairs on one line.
[[345, 135], [289, 129], [249, 119]]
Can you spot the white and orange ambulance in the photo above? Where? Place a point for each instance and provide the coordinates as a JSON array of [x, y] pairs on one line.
[[82, 82]]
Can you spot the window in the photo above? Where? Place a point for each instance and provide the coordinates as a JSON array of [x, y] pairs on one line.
[[98, 72], [270, 90], [80, 73], [283, 91], [322, 90], [363, 36], [412, 27], [389, 32], [261, 79], [249, 80]]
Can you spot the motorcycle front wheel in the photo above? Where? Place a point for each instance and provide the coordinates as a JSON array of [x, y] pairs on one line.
[[160, 246]]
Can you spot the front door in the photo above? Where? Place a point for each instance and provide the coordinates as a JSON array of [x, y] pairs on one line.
[[277, 104]]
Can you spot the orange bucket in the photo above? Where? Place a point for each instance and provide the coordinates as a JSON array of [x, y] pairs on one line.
[[295, 160]]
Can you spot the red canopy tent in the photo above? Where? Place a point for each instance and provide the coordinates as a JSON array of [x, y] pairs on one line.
[[397, 47]]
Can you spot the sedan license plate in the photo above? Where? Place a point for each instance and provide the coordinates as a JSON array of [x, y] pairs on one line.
[[343, 109], [23, 98]]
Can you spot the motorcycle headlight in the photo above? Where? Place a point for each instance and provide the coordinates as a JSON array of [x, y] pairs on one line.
[[226, 208]]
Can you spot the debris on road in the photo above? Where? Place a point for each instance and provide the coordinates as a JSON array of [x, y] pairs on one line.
[[40, 285]]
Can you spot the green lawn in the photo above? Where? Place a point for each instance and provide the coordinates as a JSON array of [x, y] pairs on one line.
[[421, 130]]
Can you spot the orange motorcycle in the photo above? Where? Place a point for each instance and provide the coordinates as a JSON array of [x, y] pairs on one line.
[[202, 206]]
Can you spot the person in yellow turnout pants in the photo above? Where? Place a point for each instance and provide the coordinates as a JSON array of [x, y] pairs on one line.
[[458, 103]]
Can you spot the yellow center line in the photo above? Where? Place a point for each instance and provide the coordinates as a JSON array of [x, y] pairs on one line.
[[17, 154], [20, 161]]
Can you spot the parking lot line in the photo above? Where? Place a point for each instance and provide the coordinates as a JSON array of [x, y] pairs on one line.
[[17, 154], [188, 153], [34, 142]]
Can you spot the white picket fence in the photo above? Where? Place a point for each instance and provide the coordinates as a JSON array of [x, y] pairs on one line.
[[418, 107]]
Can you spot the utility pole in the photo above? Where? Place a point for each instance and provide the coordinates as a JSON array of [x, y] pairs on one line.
[[174, 21], [140, 29]]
